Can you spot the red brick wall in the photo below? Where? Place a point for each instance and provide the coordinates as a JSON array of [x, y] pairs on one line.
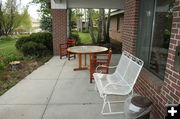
[[169, 93], [114, 33], [59, 28], [129, 37]]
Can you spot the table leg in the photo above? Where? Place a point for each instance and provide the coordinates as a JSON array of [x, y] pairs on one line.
[[90, 56], [85, 60], [80, 64]]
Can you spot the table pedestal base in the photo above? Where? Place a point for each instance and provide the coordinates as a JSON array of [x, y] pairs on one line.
[[85, 67], [82, 68]]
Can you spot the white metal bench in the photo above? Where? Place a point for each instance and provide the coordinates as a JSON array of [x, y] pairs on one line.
[[121, 82]]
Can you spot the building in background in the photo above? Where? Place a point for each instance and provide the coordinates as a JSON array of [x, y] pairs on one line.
[[116, 25]]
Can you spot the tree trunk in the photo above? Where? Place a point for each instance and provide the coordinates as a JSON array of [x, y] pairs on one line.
[[100, 26], [1, 18], [91, 26], [69, 13], [104, 25], [85, 17], [108, 26]]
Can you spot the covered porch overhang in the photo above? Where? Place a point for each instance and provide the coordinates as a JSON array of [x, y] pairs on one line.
[[108, 4], [60, 17]]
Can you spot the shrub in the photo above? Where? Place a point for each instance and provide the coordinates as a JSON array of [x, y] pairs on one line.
[[29, 48], [37, 44], [75, 36], [22, 41], [44, 38], [32, 48]]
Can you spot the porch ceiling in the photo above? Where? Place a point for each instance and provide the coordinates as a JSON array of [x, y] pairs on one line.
[[113, 4], [108, 4]]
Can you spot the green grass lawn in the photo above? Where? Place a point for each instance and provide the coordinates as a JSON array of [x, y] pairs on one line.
[[85, 38], [4, 44], [8, 52]]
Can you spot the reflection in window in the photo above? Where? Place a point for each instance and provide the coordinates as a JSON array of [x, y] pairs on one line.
[[161, 37]]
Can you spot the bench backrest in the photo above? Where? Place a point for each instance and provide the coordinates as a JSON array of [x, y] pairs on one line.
[[129, 68]]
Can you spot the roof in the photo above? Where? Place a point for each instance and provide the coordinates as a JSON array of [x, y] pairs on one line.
[[116, 12]]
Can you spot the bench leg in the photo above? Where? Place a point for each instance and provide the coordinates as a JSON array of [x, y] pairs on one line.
[[108, 103], [95, 87]]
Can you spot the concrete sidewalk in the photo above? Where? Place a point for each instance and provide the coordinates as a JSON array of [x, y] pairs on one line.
[[55, 91]]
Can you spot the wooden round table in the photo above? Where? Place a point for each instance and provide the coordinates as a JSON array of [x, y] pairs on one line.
[[85, 50]]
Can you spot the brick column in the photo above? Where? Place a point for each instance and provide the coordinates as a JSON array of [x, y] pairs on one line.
[[129, 37], [172, 78], [171, 89], [59, 28]]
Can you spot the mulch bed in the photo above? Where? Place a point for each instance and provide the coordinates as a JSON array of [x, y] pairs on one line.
[[116, 46], [9, 77]]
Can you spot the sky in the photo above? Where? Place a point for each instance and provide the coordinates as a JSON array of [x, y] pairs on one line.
[[32, 8]]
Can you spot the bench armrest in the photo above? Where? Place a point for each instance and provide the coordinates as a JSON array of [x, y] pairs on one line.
[[105, 66]]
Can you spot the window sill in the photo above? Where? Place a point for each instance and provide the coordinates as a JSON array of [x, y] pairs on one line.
[[151, 79]]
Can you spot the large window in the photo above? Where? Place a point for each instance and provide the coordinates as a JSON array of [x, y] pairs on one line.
[[118, 23], [154, 34]]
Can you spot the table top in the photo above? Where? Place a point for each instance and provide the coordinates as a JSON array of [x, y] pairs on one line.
[[87, 49]]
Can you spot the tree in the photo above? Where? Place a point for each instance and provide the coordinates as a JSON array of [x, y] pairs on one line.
[[11, 18], [69, 13], [95, 16], [91, 26], [100, 26], [108, 26], [76, 14], [85, 17], [46, 23], [1, 14], [26, 22], [46, 15], [104, 25]]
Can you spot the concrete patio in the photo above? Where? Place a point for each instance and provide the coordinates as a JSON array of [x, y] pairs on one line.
[[55, 91]]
